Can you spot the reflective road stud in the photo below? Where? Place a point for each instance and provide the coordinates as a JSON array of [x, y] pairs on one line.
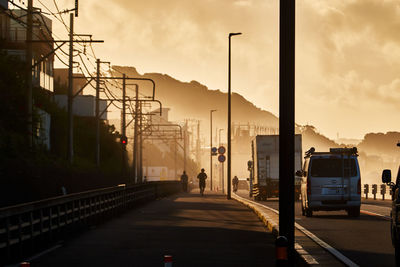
[[167, 261]]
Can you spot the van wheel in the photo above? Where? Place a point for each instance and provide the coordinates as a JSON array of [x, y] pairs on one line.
[[308, 213], [354, 212]]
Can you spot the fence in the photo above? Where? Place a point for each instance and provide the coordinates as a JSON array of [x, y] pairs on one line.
[[26, 227]]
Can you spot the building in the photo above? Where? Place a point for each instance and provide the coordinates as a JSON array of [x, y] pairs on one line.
[[13, 31], [13, 36], [83, 105]]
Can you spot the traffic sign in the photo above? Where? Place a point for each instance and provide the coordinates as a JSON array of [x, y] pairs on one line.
[[221, 150], [221, 158], [214, 151]]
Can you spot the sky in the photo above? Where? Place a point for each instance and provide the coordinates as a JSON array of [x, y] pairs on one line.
[[347, 52]]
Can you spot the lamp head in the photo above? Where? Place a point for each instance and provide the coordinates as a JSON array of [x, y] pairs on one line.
[[234, 33]]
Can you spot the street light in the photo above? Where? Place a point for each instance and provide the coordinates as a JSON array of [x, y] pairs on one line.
[[229, 115], [211, 112]]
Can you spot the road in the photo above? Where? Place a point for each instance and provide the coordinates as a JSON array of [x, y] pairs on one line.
[[196, 231], [364, 240]]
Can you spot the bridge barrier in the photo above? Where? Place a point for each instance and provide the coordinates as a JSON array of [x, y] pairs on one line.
[[27, 227]]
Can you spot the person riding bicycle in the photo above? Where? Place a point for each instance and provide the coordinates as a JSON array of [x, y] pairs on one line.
[[235, 183], [202, 181]]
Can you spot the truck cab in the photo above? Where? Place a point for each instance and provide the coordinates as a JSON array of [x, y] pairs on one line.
[[331, 181]]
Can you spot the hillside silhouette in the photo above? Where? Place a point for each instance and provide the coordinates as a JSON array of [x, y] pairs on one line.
[[194, 100]]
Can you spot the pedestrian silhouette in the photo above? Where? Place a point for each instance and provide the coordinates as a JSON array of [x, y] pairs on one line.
[[184, 181], [235, 183], [202, 181]]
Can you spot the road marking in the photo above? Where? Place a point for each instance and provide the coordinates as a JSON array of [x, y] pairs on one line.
[[37, 255], [375, 214], [323, 244]]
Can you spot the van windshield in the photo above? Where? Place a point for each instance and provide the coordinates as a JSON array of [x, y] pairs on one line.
[[333, 167]]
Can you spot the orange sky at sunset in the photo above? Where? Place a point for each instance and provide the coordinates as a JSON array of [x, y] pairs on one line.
[[347, 52]]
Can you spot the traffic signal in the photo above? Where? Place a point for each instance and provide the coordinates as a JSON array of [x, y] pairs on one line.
[[124, 140]]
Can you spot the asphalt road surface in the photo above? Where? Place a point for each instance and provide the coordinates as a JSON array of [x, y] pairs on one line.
[[196, 231], [364, 240]]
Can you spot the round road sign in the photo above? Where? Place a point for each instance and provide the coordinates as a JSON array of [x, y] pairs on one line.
[[221, 158], [221, 150], [214, 150]]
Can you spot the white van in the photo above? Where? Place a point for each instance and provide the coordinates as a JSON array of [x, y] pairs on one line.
[[331, 181]]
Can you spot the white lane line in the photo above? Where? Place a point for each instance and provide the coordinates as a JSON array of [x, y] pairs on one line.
[[37, 255], [375, 214], [323, 244]]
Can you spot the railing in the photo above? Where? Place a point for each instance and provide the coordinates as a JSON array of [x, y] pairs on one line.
[[24, 228]]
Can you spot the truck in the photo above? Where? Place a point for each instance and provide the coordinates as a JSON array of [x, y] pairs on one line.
[[264, 180]]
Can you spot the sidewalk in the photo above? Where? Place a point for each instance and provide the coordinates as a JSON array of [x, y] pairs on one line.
[[195, 230]]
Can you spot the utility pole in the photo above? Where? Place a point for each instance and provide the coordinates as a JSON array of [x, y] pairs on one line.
[[70, 152], [123, 124], [211, 153], [135, 137], [175, 158], [286, 125], [184, 145], [97, 114], [141, 144], [29, 73], [198, 144]]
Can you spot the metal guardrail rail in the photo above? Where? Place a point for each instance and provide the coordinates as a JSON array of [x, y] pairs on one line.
[[23, 226]]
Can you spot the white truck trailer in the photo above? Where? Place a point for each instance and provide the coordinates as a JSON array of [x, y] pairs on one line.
[[265, 168]]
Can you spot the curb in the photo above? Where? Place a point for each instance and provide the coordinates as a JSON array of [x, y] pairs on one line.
[[273, 226]]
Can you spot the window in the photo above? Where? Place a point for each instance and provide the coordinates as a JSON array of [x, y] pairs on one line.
[[333, 167], [268, 166]]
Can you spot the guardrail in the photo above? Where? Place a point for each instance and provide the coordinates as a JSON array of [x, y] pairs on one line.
[[374, 189], [25, 228]]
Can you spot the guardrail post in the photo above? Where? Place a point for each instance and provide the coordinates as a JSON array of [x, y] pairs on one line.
[[383, 191], [374, 190], [366, 190]]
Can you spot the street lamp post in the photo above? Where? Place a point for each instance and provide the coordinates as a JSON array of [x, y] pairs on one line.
[[229, 115], [211, 112]]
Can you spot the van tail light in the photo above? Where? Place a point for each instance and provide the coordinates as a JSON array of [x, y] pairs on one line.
[[308, 187], [359, 187]]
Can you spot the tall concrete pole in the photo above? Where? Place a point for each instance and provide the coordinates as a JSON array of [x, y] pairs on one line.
[[70, 153], [29, 73], [97, 114], [286, 122]]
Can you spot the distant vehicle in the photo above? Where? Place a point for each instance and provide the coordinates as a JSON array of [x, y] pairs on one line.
[[331, 181], [395, 212], [265, 166]]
